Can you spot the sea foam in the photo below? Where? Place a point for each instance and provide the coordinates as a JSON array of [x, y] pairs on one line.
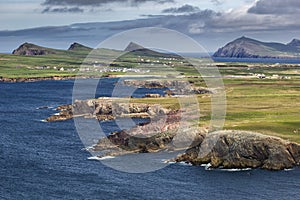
[[100, 158]]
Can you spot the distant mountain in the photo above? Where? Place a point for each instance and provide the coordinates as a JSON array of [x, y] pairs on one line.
[[142, 51], [249, 48], [79, 47], [133, 47], [28, 49], [294, 43]]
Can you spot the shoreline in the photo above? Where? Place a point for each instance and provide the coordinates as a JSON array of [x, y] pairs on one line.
[[50, 78], [60, 78]]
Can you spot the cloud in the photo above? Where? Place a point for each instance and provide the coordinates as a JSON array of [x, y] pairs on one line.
[[98, 2], [276, 7], [183, 9], [217, 2], [63, 10]]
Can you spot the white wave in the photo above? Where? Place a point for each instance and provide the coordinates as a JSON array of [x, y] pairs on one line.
[[236, 170], [208, 166], [42, 120], [87, 148], [203, 165], [100, 158], [56, 114], [167, 161], [44, 107], [185, 163], [291, 169]]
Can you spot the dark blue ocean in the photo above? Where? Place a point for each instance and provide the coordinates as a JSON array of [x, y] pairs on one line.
[[45, 160], [258, 60]]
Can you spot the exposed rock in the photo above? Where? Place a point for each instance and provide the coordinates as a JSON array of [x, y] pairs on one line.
[[107, 109], [150, 137], [241, 149]]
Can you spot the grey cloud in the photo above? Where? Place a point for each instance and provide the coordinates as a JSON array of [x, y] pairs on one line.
[[204, 25], [183, 9], [279, 7], [63, 10], [98, 2]]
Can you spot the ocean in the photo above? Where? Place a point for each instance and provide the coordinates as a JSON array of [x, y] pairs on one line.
[[258, 60], [46, 160]]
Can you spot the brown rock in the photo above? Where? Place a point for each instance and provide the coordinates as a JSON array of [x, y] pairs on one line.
[[241, 149]]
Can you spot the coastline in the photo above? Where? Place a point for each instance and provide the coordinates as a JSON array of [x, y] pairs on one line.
[[50, 78]]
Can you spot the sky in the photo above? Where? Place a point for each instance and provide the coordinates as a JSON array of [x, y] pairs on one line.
[[212, 23]]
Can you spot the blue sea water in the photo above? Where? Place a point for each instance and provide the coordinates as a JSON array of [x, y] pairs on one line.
[[258, 60], [45, 160]]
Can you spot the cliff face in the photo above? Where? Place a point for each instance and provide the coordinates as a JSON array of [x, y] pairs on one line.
[[240, 149], [167, 131], [106, 109], [28, 49], [249, 48]]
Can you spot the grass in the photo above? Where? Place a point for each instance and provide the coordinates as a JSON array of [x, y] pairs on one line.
[[268, 106]]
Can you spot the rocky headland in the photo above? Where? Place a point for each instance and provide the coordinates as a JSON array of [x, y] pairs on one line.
[[242, 149], [107, 109], [167, 131]]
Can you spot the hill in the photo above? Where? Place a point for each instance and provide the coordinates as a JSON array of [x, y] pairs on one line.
[[249, 48], [139, 50], [79, 47], [28, 49]]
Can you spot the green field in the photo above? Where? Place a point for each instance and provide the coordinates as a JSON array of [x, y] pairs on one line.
[[269, 106]]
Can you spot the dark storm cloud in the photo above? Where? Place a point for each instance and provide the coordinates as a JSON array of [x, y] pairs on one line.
[[98, 2], [183, 9], [279, 7], [63, 10]]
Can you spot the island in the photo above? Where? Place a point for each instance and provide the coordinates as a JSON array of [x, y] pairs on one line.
[[249, 48]]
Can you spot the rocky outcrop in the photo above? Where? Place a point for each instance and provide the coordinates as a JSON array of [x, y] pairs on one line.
[[28, 49], [107, 109], [174, 87], [150, 137], [241, 149]]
